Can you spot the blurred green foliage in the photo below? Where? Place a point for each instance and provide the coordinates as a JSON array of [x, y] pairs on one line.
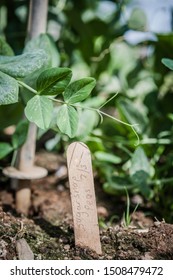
[[91, 39]]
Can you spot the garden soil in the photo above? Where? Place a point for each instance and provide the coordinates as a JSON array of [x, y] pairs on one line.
[[48, 234]]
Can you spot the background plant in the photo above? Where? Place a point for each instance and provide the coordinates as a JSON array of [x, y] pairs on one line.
[[93, 43]]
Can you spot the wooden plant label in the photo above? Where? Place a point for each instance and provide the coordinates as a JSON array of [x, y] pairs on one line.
[[84, 209]]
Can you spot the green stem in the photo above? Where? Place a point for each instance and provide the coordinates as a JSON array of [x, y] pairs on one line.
[[88, 108], [107, 101], [161, 181], [115, 119], [26, 86], [151, 141], [56, 100], [101, 113]]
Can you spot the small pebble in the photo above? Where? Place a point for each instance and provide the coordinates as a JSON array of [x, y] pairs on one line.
[[102, 211], [77, 258], [23, 249], [105, 239], [60, 188], [137, 199], [63, 240], [109, 257], [67, 247], [61, 173]]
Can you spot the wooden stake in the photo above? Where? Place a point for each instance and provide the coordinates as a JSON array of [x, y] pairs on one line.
[[37, 22], [83, 197]]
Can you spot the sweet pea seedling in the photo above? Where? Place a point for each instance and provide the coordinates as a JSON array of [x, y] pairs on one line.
[[35, 80]]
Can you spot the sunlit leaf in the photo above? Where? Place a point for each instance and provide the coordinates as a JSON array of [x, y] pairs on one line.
[[79, 90], [8, 89], [22, 65], [53, 81], [87, 121], [67, 120], [46, 43], [39, 110], [168, 63]]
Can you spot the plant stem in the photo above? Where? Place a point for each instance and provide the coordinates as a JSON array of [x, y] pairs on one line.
[[57, 100], [151, 141], [27, 87], [101, 113], [161, 181], [107, 101]]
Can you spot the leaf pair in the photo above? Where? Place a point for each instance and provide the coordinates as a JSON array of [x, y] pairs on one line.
[[67, 118], [52, 82]]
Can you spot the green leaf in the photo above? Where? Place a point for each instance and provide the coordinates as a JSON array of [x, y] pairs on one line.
[[67, 120], [140, 171], [10, 114], [79, 90], [168, 63], [53, 81], [22, 65], [140, 179], [20, 134], [132, 114], [87, 121], [139, 162], [138, 20], [5, 149], [116, 184], [39, 110], [53, 52], [5, 48], [9, 89], [46, 43], [107, 157]]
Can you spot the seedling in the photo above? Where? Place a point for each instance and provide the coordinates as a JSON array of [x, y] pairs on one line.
[[34, 80], [127, 215], [84, 209]]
